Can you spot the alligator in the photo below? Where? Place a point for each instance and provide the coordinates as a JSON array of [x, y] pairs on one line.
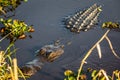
[[83, 20], [47, 53]]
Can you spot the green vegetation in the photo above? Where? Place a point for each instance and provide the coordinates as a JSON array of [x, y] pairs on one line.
[[111, 25], [9, 6], [12, 29], [70, 75], [8, 66], [93, 75], [15, 28]]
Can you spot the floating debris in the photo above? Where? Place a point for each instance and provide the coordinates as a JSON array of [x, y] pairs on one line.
[[83, 20], [47, 53]]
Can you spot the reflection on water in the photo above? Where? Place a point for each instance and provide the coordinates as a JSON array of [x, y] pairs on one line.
[[46, 16]]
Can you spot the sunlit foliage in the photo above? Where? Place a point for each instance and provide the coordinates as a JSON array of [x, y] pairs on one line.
[[92, 74], [9, 5], [111, 25], [12, 30], [15, 29], [70, 75], [8, 66]]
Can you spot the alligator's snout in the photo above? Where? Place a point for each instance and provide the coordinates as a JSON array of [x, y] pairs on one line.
[[50, 52]]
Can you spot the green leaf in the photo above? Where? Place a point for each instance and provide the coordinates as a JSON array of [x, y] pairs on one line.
[[25, 0], [71, 78], [94, 73]]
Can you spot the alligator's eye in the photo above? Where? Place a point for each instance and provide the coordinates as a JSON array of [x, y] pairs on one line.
[[48, 53], [62, 46], [41, 52]]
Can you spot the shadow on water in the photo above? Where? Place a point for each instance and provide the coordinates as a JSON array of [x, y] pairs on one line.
[[46, 16]]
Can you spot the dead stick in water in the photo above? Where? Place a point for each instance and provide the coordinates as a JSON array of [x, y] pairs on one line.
[[89, 52]]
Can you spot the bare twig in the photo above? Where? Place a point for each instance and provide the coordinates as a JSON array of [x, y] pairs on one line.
[[104, 73], [111, 47], [7, 35], [99, 73]]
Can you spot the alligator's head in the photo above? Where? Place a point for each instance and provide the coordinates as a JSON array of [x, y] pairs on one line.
[[49, 53]]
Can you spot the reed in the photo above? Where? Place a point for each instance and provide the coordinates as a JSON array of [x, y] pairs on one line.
[[9, 69]]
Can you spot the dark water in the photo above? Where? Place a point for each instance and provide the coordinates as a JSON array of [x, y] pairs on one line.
[[46, 16]]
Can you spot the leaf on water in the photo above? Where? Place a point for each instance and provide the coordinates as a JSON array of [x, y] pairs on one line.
[[94, 73], [68, 72], [99, 50]]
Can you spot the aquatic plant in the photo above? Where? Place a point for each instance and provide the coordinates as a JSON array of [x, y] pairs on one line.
[[8, 66], [70, 75], [93, 75], [11, 29], [9, 6], [15, 29], [102, 75], [110, 25]]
